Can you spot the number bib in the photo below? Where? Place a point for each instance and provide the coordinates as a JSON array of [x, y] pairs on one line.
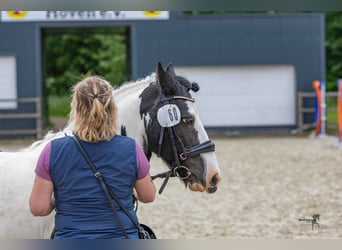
[[168, 115]]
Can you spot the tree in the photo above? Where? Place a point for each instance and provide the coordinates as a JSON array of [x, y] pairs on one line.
[[333, 49], [73, 53]]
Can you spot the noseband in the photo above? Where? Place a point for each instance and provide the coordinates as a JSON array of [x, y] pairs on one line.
[[177, 169]]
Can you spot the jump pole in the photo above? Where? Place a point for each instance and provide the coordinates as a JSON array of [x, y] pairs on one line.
[[339, 109], [318, 108]]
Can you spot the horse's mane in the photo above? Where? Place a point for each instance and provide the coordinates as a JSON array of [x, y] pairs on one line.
[[128, 87], [48, 137]]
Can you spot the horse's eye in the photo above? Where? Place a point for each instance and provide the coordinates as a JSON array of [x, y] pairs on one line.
[[188, 120]]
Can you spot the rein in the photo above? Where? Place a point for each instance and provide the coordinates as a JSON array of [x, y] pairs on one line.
[[177, 170]]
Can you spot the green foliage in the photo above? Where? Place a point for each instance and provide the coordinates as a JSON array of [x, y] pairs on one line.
[[71, 54], [59, 105], [333, 49], [331, 115]]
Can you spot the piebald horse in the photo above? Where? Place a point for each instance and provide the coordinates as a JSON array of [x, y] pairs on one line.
[[158, 112]]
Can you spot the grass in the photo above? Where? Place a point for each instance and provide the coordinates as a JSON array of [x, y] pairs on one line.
[[59, 106], [332, 115]]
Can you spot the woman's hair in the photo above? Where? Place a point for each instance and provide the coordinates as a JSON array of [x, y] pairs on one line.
[[93, 114]]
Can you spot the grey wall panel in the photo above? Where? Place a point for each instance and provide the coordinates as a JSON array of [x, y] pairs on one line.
[[19, 40]]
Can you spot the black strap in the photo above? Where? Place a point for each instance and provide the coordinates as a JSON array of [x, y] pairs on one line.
[[108, 191], [207, 146]]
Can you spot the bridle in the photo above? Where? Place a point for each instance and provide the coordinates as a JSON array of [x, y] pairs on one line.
[[182, 153]]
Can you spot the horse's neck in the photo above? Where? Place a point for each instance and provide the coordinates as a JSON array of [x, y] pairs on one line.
[[128, 101], [39, 145]]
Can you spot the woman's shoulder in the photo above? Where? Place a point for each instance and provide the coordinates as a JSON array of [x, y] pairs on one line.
[[61, 140], [123, 138]]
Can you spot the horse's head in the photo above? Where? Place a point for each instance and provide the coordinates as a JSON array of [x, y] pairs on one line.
[[175, 131]]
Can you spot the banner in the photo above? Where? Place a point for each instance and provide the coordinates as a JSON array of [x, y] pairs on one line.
[[31, 16]]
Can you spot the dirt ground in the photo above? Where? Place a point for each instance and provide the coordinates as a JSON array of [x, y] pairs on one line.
[[268, 183]]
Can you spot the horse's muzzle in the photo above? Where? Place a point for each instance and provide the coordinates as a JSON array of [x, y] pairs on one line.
[[213, 181], [211, 186]]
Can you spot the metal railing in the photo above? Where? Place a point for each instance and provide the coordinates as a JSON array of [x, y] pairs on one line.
[[37, 115], [304, 110]]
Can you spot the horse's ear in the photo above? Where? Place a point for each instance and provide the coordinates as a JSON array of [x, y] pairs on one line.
[[167, 83], [171, 70]]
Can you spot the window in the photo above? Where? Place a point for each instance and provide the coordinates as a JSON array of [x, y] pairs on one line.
[[8, 82]]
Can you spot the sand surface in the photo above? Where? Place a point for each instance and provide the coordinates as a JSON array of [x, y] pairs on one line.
[[268, 182]]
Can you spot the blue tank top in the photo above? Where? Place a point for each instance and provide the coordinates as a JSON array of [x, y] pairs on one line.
[[82, 209]]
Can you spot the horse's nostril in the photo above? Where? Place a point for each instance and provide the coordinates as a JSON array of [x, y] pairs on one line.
[[213, 181], [212, 190]]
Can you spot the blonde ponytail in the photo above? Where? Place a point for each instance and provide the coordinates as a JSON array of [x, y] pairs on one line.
[[93, 112]]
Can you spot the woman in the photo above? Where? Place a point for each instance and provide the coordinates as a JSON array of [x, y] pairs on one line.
[[65, 182]]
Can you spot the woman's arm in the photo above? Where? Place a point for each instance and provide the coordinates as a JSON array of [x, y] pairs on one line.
[[41, 199], [145, 189]]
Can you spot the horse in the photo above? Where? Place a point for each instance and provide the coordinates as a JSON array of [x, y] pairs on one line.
[[159, 112]]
